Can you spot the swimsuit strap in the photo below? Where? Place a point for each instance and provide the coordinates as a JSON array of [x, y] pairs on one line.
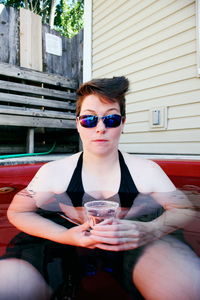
[[127, 190], [75, 188]]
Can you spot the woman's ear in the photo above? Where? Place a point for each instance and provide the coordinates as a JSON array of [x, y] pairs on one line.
[[123, 120], [123, 123]]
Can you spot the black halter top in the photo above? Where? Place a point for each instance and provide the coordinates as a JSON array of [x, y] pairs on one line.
[[127, 190]]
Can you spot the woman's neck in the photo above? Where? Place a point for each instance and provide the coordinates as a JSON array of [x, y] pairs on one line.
[[96, 163]]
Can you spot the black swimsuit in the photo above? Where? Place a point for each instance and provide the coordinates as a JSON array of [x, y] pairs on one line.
[[127, 190]]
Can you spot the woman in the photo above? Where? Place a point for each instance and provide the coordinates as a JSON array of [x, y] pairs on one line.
[[160, 266]]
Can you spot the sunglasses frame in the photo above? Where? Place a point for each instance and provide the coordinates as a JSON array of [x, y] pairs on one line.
[[104, 118]]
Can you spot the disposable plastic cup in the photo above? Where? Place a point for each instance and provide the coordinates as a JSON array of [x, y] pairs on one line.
[[100, 210]]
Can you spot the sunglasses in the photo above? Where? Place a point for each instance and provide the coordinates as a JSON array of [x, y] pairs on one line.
[[90, 121]]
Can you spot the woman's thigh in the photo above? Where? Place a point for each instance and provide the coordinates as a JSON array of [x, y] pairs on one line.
[[168, 269], [20, 280]]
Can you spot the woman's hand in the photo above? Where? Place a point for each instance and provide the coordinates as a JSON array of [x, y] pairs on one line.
[[78, 236], [123, 234]]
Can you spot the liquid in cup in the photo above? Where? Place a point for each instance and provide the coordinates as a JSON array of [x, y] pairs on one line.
[[100, 210]]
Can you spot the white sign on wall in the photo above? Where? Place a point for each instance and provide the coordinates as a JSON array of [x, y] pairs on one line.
[[53, 44]]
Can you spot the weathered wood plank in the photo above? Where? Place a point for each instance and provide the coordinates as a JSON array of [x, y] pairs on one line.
[[30, 40], [53, 63], [25, 88], [35, 113], [28, 121], [13, 36], [43, 77], [9, 32], [25, 100]]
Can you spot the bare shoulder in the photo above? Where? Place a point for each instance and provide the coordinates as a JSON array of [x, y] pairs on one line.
[[55, 175], [139, 163], [147, 174], [62, 164], [138, 160]]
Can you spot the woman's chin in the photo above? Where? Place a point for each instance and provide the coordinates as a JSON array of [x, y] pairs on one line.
[[100, 150]]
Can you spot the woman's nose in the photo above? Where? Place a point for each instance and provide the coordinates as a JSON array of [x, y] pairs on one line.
[[100, 126]]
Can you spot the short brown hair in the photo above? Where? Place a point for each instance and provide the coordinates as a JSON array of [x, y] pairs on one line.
[[107, 89]]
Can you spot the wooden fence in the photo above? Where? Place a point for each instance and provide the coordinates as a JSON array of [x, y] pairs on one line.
[[42, 102], [68, 65]]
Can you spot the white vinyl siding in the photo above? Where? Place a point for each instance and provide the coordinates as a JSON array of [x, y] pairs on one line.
[[153, 43]]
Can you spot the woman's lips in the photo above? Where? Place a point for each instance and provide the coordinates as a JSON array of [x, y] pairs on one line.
[[100, 141]]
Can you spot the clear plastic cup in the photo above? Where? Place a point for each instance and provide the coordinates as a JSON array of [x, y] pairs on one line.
[[100, 210]]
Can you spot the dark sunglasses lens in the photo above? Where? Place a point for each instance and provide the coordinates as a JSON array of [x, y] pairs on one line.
[[112, 121], [88, 121]]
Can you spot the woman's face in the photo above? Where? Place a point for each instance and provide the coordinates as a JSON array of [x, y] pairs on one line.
[[99, 140]]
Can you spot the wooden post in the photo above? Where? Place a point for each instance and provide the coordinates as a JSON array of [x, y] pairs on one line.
[[30, 140]]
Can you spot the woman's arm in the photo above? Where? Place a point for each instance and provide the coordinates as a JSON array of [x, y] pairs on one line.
[[179, 212], [43, 188], [22, 214]]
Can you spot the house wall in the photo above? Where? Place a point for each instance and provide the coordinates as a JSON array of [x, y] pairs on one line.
[[153, 43]]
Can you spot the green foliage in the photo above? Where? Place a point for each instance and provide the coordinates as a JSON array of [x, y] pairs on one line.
[[70, 20], [68, 16]]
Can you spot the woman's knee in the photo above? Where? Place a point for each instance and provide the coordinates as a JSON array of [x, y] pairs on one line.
[[21, 281], [168, 269]]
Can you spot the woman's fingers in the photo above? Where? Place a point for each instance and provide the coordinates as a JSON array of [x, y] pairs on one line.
[[114, 241], [118, 234], [122, 247], [122, 226], [84, 226], [119, 229]]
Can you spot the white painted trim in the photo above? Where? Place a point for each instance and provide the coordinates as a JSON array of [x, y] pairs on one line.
[[87, 41], [198, 35], [169, 156]]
